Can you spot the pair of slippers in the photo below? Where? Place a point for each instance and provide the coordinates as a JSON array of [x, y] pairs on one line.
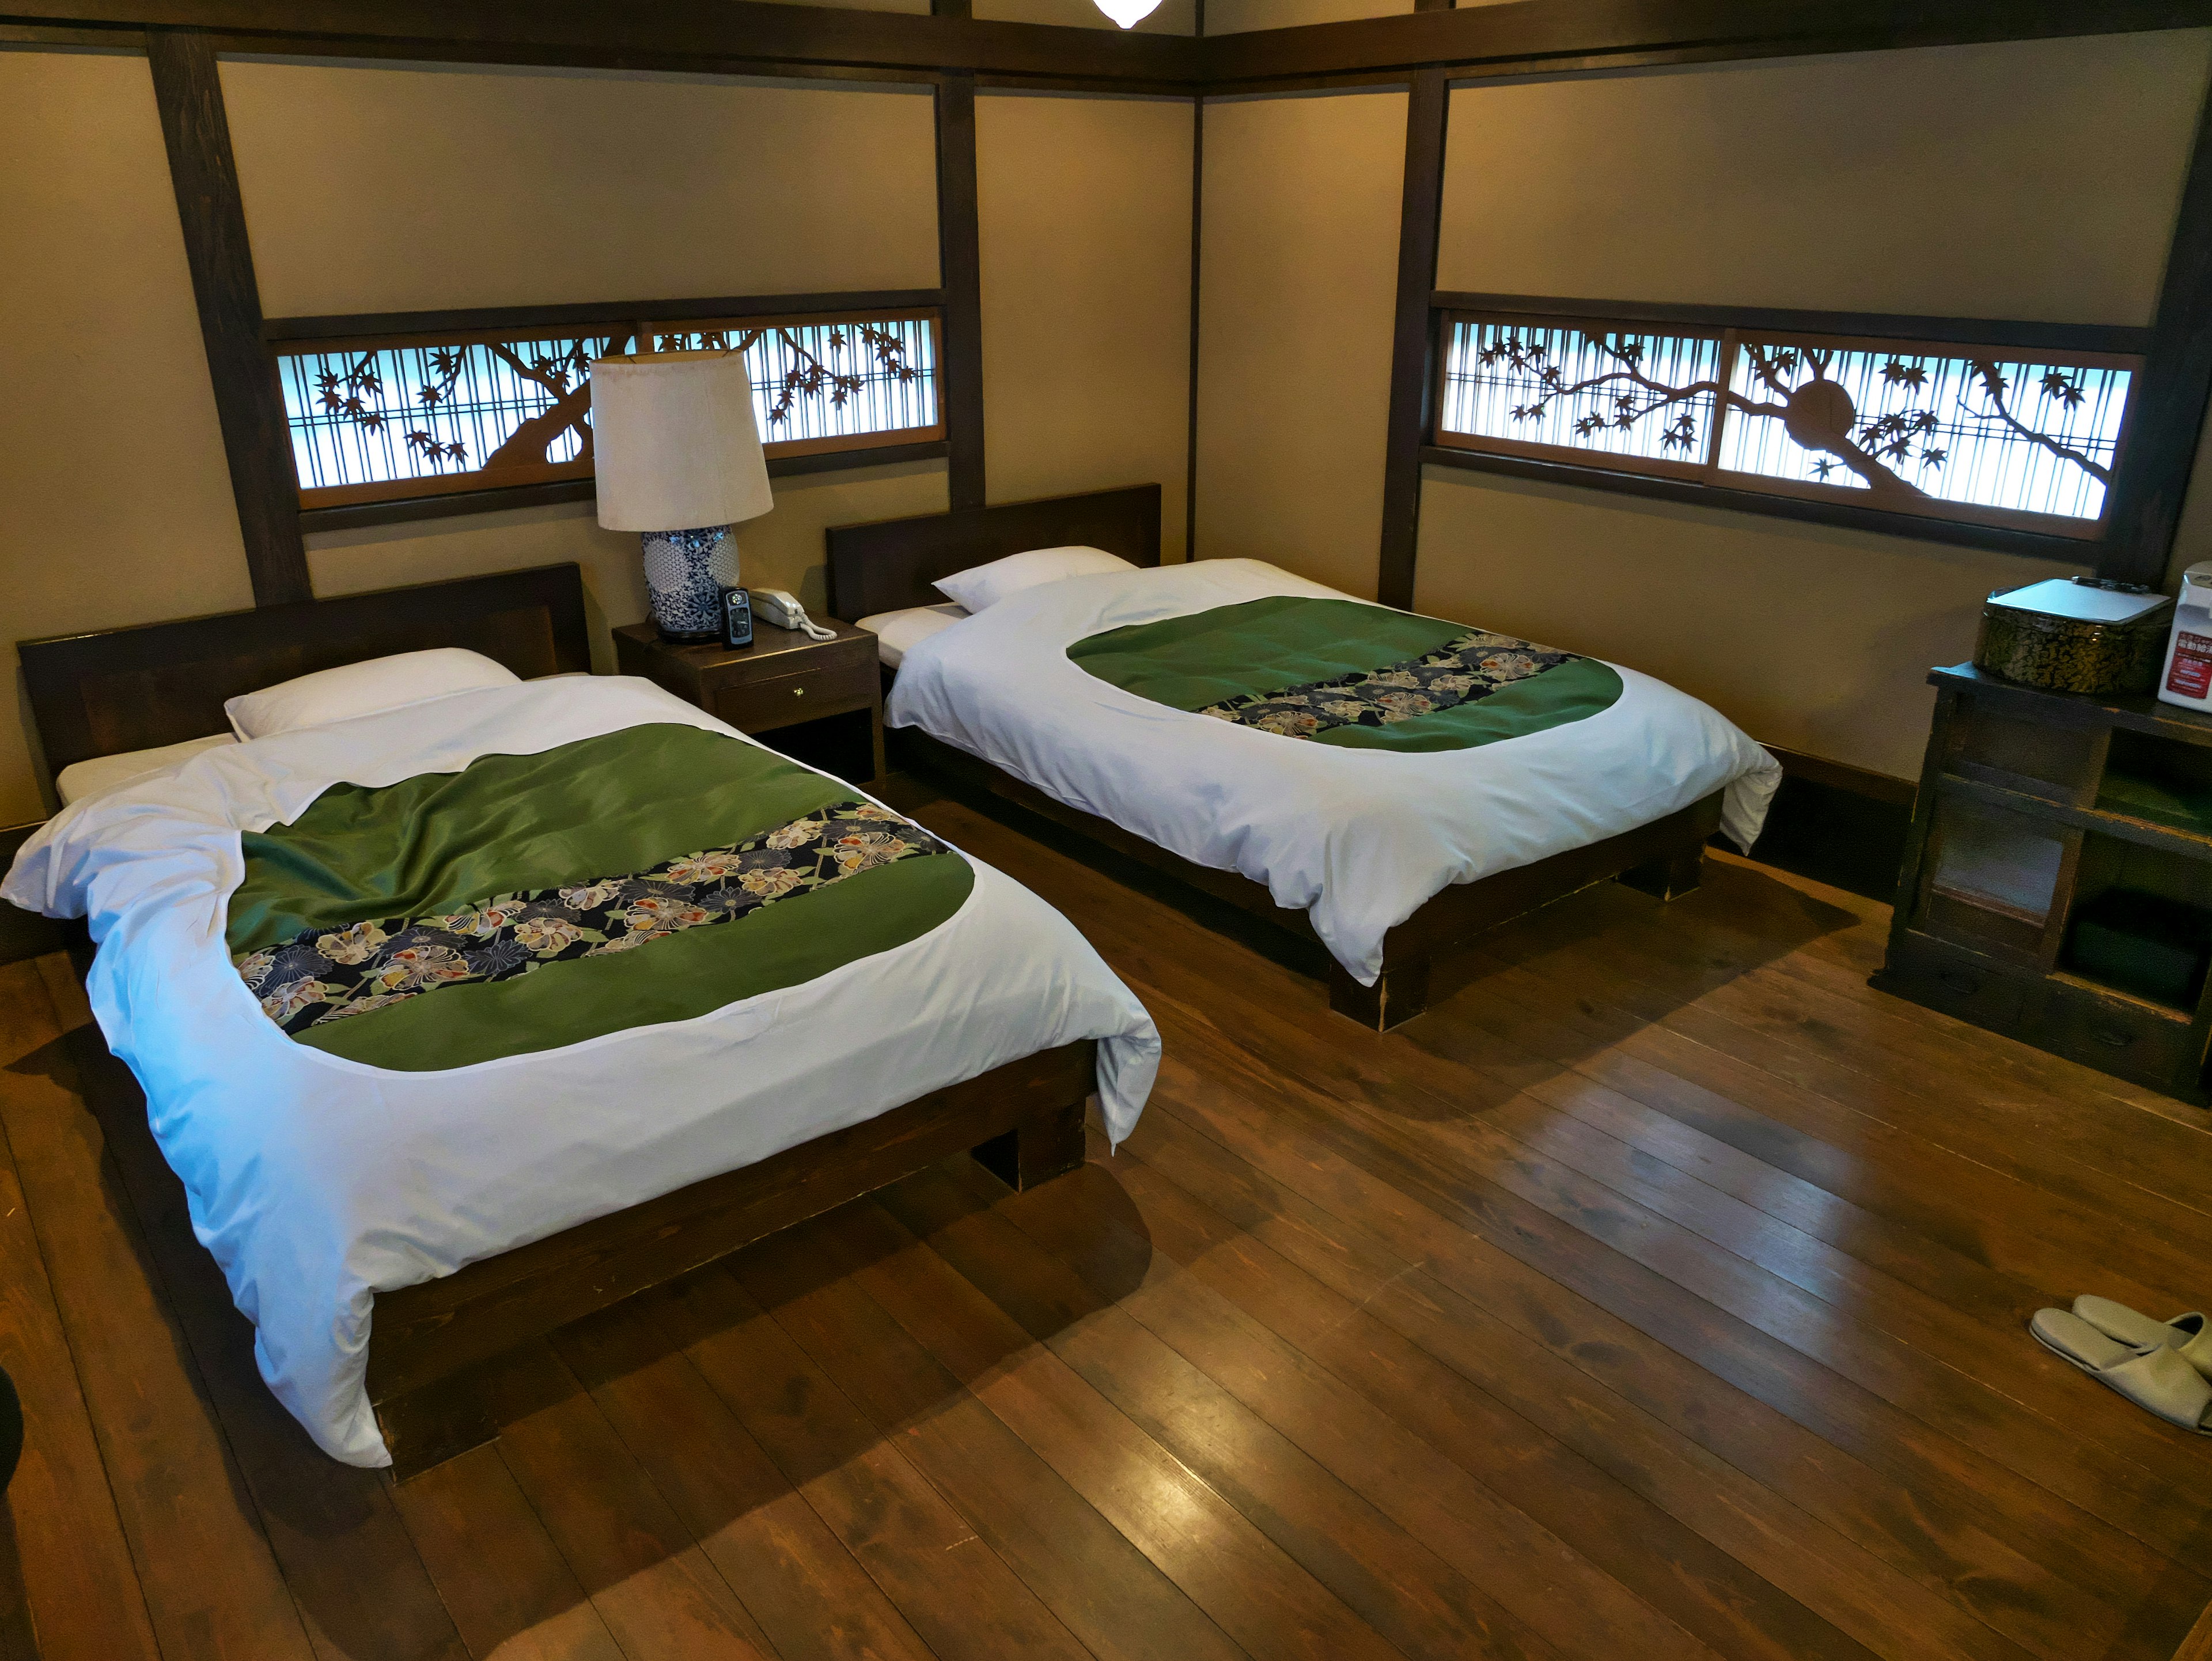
[[2164, 1367]]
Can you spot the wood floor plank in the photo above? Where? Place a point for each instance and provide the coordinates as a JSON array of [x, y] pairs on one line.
[[1350, 1083], [1969, 1084], [1439, 1346], [169, 1466], [1986, 1344], [1394, 1582], [511, 1592], [1837, 1152], [813, 1600], [67, 1582], [1253, 1591], [345, 1556], [1823, 1443], [1361, 1398], [646, 1577], [948, 1584], [1107, 1593], [1964, 1333]]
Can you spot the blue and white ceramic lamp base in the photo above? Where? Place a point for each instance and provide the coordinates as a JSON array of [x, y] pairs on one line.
[[685, 572]]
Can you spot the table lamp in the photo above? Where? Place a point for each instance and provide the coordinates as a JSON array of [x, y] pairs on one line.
[[678, 459]]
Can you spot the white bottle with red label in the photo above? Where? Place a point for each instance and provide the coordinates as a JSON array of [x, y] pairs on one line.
[[2188, 678]]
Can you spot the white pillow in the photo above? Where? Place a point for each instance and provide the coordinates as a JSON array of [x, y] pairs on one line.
[[362, 689], [898, 633], [89, 778], [983, 586]]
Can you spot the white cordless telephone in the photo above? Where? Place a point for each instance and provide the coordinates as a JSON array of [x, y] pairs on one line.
[[783, 610]]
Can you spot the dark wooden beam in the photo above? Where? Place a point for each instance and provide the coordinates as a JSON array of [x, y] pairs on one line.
[[249, 403], [1413, 349], [1961, 331], [1197, 232], [1534, 35], [2030, 545], [505, 498], [960, 368], [345, 326], [2159, 450], [760, 36], [620, 35]]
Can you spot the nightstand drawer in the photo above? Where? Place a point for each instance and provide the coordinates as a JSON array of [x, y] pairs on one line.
[[2117, 1037], [760, 706]]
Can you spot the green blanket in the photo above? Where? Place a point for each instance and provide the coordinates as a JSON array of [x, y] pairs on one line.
[[585, 812], [1256, 651]]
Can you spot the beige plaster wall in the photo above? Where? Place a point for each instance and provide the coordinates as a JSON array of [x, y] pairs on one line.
[[2034, 180], [115, 504], [1084, 206], [1812, 637], [1298, 261], [375, 189]]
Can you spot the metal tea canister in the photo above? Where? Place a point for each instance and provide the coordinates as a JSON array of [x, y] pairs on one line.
[[2187, 678], [2076, 635]]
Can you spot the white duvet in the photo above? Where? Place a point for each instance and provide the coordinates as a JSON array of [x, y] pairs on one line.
[[1358, 839], [316, 1182]]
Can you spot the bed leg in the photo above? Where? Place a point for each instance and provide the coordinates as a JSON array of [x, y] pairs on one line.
[[1046, 1144], [437, 1423], [1400, 992], [1669, 877]]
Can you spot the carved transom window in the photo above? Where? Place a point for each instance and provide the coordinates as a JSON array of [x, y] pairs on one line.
[[1997, 435], [388, 418]]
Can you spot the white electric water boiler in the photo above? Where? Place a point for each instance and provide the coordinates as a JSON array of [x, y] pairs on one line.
[[2187, 680]]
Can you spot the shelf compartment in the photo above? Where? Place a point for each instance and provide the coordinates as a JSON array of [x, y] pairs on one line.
[[2140, 922], [1994, 878], [2051, 763], [2159, 781]]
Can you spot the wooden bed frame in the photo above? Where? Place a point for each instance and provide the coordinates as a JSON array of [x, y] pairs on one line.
[[434, 1347], [889, 565]]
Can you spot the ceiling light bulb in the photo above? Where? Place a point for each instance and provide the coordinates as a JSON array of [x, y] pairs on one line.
[[1128, 13]]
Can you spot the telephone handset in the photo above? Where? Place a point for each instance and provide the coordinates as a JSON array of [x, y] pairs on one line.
[[783, 610]]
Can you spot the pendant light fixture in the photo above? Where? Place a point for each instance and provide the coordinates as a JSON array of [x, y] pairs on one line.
[[1128, 13]]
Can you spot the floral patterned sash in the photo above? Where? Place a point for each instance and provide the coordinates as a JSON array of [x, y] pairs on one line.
[[328, 975], [1459, 671]]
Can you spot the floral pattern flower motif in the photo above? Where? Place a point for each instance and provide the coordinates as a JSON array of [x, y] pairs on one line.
[[356, 944], [325, 973], [1462, 670]]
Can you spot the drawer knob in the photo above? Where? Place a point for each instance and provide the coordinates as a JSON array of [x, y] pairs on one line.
[[798, 692], [2116, 1038], [1959, 980]]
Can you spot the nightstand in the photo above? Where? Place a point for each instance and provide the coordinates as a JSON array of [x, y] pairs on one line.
[[817, 701]]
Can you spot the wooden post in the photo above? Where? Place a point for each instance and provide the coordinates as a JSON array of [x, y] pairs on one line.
[[960, 370], [2171, 394], [1412, 352], [249, 403]]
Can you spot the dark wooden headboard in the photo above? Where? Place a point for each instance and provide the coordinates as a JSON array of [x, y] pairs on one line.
[[889, 566], [162, 683]]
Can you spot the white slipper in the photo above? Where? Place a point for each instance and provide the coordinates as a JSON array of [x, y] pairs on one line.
[[2190, 1334], [2155, 1379]]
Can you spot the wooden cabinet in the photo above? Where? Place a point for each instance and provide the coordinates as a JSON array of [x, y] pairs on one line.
[[819, 701], [2058, 885]]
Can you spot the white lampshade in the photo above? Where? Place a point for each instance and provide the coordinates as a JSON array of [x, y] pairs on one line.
[[674, 443], [1128, 13]]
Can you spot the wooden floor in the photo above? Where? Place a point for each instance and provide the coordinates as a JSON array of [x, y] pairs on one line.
[[1659, 1294]]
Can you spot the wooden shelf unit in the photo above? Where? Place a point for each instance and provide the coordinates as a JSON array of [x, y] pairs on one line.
[[2057, 883]]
